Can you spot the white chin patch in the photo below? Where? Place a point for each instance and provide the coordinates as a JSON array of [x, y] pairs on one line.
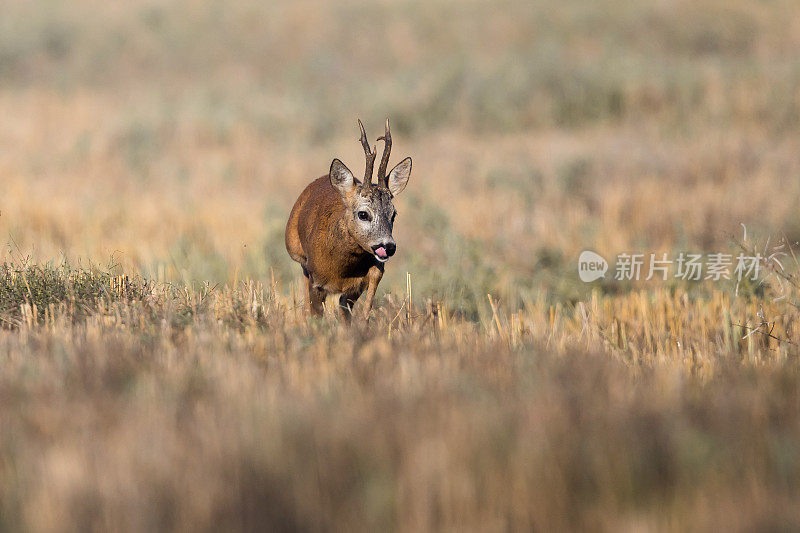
[[381, 259]]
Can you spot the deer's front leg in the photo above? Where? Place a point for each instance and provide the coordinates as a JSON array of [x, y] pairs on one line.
[[316, 297], [373, 278], [346, 303]]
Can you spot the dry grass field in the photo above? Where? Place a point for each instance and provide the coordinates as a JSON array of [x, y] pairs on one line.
[[158, 370]]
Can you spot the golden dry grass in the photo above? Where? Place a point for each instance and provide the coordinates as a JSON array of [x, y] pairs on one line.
[[181, 409], [166, 141]]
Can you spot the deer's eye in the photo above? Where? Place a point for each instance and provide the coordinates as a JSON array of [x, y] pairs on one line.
[[363, 215]]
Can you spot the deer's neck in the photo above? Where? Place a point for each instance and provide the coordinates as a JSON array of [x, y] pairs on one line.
[[349, 253]]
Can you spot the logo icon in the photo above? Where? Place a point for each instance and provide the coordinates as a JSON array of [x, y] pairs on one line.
[[591, 266]]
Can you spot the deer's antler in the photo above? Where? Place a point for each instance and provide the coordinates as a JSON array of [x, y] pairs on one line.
[[370, 155], [387, 149]]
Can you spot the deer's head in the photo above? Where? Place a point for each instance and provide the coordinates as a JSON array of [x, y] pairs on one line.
[[369, 209]]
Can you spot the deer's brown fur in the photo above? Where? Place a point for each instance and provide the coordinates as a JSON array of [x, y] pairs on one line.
[[339, 252]]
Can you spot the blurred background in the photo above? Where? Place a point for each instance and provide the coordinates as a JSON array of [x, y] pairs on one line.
[[172, 138]]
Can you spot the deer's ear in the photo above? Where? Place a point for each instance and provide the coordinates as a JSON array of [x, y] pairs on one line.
[[398, 177], [341, 177]]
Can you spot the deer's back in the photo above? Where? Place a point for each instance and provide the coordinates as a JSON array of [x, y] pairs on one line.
[[316, 207], [316, 238]]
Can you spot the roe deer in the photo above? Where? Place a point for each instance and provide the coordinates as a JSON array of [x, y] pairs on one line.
[[340, 229]]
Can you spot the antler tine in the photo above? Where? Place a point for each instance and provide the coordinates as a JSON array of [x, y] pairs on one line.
[[387, 149], [370, 156]]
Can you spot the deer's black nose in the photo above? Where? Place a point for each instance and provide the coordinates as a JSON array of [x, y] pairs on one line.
[[388, 247]]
